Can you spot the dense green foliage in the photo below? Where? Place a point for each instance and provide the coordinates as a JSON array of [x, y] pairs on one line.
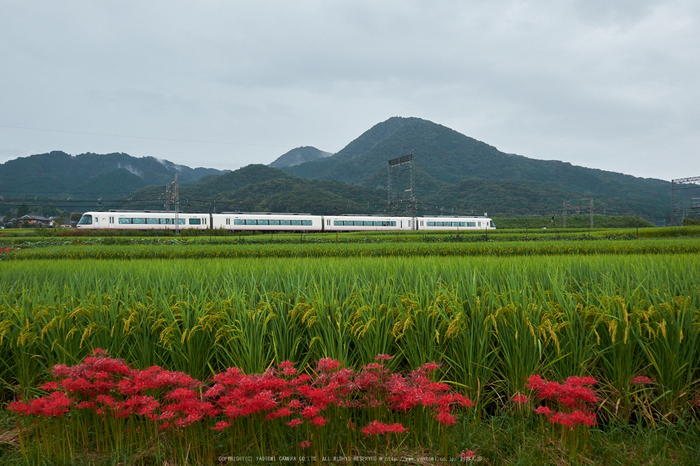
[[111, 248], [57, 175]]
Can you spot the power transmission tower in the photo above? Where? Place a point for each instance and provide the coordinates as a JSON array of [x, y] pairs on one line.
[[172, 196], [396, 166], [681, 183]]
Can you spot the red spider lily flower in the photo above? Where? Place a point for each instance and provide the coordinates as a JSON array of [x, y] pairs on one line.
[[571, 420], [544, 410], [383, 357], [294, 404], [318, 421], [86, 405], [467, 455], [50, 386], [438, 387], [310, 412], [54, 405], [287, 368], [430, 366], [377, 428], [282, 412], [520, 399], [373, 365], [221, 425], [181, 394], [640, 380], [60, 370], [535, 382], [285, 364], [444, 417], [328, 364], [580, 381], [305, 444], [295, 422]]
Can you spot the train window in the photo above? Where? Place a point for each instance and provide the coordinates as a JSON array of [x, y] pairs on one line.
[[285, 222], [430, 224], [195, 221], [228, 221], [274, 222], [471, 224], [181, 221], [124, 221], [296, 222], [85, 220], [238, 221], [308, 223], [251, 222], [139, 221], [111, 219], [152, 221]]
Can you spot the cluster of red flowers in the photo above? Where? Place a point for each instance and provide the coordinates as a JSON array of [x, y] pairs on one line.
[[377, 428], [108, 387], [574, 395]]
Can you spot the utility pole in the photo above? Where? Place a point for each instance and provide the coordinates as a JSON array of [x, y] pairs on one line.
[[590, 210], [563, 215]]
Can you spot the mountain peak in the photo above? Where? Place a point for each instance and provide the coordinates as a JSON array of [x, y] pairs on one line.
[[298, 156]]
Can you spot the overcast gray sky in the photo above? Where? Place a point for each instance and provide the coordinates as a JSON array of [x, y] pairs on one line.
[[599, 83]]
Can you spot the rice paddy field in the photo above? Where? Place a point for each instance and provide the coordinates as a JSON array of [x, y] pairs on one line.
[[336, 350]]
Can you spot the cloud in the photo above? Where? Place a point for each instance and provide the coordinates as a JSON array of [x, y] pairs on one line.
[[596, 83]]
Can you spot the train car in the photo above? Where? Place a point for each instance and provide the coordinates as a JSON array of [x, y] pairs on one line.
[[266, 221], [145, 220], [455, 223], [366, 223]]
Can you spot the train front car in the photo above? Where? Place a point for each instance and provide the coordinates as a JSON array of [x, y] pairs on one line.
[[89, 220], [366, 223], [455, 223], [266, 221], [128, 220]]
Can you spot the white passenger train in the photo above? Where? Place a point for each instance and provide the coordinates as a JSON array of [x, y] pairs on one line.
[[265, 221]]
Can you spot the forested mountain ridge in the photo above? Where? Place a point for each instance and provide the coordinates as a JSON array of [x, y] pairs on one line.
[[446, 160], [57, 174], [259, 188]]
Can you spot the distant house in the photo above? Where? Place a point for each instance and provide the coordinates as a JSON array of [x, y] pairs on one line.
[[35, 221]]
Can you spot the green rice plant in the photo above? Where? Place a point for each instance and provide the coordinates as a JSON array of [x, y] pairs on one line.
[[470, 350]]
